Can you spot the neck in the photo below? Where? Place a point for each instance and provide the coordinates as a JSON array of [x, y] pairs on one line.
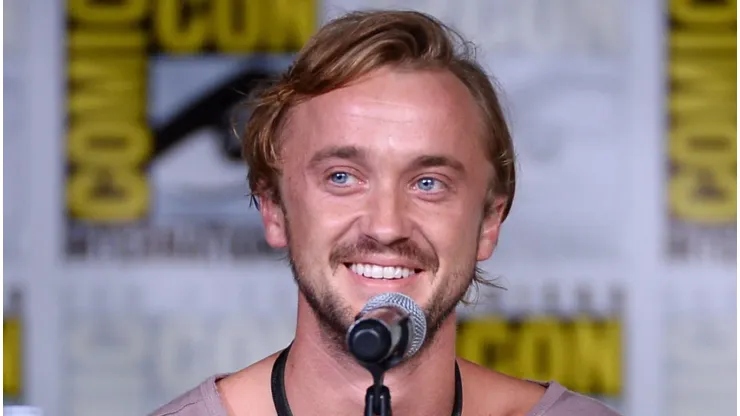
[[321, 380]]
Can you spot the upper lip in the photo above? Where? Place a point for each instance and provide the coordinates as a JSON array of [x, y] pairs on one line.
[[386, 262]]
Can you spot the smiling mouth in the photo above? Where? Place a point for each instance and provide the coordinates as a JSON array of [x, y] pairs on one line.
[[374, 271]]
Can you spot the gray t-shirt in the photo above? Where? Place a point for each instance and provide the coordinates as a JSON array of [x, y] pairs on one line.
[[557, 401]]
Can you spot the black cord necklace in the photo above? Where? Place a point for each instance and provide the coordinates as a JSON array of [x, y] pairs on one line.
[[280, 400]]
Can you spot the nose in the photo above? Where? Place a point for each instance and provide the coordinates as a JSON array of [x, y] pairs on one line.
[[386, 220]]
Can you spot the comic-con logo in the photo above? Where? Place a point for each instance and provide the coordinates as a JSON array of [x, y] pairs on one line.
[[153, 93]]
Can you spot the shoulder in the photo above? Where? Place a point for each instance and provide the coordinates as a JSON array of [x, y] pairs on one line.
[[249, 390], [559, 401], [490, 392], [500, 394], [202, 400], [240, 393]]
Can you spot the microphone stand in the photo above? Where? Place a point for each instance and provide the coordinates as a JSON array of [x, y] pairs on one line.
[[377, 396]]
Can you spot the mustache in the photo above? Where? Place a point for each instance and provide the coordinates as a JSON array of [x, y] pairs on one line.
[[407, 249]]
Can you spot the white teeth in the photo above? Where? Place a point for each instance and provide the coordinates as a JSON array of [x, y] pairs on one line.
[[377, 271], [380, 272]]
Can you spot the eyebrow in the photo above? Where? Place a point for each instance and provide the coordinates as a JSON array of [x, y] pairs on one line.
[[433, 161], [358, 155], [352, 153]]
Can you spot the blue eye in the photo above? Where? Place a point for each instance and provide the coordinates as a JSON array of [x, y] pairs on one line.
[[340, 178], [427, 184]]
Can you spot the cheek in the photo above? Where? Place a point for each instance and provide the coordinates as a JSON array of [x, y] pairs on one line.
[[452, 232], [316, 220], [324, 212]]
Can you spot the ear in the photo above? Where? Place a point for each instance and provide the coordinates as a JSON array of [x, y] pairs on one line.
[[490, 227], [273, 219]]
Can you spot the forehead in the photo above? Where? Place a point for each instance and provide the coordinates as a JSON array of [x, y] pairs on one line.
[[392, 113]]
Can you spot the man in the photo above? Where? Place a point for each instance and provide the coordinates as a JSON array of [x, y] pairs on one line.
[[382, 161]]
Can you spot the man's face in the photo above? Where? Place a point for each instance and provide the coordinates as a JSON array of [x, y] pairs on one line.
[[383, 189]]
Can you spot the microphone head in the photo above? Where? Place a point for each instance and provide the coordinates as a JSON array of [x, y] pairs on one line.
[[417, 319]]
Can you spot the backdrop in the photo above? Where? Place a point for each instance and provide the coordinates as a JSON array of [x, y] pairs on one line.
[[135, 267]]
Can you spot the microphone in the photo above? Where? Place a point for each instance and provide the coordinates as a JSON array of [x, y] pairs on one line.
[[390, 327]]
